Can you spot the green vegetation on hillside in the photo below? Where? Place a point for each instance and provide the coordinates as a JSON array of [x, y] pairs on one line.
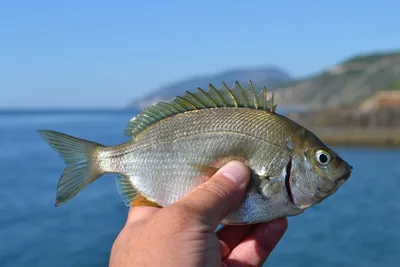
[[351, 82], [395, 86], [370, 57]]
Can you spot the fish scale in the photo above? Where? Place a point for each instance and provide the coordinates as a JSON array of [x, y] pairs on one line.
[[256, 124], [200, 149], [176, 146]]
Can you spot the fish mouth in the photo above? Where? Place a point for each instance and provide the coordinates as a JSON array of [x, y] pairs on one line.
[[344, 177]]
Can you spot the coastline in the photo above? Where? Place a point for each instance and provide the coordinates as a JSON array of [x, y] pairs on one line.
[[359, 137]]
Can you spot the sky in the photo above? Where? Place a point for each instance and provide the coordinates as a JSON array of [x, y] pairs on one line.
[[60, 54]]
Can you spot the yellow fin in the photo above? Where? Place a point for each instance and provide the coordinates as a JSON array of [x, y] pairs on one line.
[[140, 201], [130, 195]]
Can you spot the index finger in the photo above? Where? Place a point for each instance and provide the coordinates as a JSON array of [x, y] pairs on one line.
[[256, 247]]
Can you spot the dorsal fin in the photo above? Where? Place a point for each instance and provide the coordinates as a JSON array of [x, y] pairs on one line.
[[213, 98]]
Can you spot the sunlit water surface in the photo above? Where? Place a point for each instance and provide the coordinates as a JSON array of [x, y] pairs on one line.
[[358, 226]]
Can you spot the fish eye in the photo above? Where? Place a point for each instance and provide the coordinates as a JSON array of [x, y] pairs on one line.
[[323, 157]]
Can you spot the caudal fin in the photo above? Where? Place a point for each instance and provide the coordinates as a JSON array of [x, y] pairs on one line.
[[77, 154]]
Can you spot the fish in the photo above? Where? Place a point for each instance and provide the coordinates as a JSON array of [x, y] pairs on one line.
[[175, 146]]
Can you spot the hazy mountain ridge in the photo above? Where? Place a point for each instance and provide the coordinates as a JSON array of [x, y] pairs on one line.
[[272, 77], [349, 82]]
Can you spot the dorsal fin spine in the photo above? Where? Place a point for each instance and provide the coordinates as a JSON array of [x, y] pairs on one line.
[[147, 117], [169, 107], [255, 98], [272, 101], [230, 94], [237, 97], [152, 114], [185, 103], [245, 101], [214, 105], [179, 107], [197, 101], [162, 110], [218, 94], [264, 97]]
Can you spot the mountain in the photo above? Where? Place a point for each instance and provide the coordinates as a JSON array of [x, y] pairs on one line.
[[349, 82], [271, 77]]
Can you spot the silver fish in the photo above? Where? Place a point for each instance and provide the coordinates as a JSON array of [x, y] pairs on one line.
[[176, 146]]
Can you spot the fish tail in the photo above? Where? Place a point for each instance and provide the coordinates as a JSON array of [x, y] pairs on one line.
[[78, 154]]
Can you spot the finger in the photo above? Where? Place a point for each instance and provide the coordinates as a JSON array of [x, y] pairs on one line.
[[215, 198], [231, 236], [136, 214], [255, 248]]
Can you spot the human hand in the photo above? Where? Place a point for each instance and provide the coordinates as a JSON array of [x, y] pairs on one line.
[[183, 234]]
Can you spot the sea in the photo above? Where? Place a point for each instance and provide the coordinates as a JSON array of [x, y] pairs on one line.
[[357, 226]]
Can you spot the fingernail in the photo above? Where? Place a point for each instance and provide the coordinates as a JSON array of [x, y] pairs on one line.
[[237, 172]]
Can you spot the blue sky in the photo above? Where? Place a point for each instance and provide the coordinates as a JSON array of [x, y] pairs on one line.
[[104, 53]]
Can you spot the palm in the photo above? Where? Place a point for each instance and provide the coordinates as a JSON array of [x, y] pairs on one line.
[[247, 245]]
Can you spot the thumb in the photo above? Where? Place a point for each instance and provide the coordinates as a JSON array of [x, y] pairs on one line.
[[218, 196]]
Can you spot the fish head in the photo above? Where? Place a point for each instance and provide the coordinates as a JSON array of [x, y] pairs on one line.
[[316, 172]]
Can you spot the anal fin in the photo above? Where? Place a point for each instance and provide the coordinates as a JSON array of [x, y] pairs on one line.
[[141, 201], [130, 196], [125, 189]]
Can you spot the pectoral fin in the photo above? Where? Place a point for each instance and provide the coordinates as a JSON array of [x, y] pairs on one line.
[[206, 170]]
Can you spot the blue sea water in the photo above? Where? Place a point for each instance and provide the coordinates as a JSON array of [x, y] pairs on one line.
[[358, 226]]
